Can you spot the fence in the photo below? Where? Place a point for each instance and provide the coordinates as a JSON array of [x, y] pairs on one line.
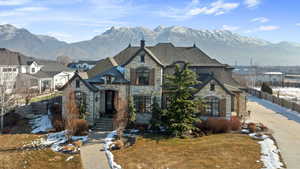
[[279, 101]]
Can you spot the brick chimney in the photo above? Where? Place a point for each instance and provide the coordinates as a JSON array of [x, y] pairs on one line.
[[142, 43]]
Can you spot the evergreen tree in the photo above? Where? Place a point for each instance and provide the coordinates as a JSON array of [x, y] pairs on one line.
[[156, 115], [180, 115], [266, 88], [131, 111]]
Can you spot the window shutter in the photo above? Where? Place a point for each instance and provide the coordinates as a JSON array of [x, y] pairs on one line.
[[223, 107], [152, 77], [133, 76]]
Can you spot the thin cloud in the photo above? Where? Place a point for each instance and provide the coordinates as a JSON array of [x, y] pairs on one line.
[[252, 3], [268, 28], [230, 28], [263, 28], [192, 9], [297, 24], [13, 2], [21, 11], [260, 19]]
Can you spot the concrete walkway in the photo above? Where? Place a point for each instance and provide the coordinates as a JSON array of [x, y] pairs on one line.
[[284, 124], [92, 153]]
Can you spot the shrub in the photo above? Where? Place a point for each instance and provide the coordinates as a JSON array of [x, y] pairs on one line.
[[235, 124], [266, 88], [56, 109], [252, 127], [218, 125], [78, 127]]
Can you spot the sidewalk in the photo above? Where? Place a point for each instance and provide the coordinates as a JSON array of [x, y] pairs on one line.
[[92, 153], [285, 125]]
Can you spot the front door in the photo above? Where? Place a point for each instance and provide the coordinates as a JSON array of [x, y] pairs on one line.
[[109, 102]]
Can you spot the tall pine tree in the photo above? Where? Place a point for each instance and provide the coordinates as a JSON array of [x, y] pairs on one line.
[[180, 111]]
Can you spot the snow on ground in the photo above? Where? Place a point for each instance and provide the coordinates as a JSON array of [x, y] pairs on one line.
[[290, 114], [270, 153], [41, 124], [288, 93], [56, 141], [108, 142]]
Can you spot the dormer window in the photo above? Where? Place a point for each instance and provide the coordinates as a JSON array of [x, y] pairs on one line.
[[142, 58], [108, 79]]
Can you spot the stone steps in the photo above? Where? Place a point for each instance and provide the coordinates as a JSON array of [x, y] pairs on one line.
[[104, 124]]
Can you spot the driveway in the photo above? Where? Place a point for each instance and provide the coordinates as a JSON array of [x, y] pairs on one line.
[[285, 125]]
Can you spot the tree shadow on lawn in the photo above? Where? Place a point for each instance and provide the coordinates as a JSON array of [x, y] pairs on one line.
[[290, 114]]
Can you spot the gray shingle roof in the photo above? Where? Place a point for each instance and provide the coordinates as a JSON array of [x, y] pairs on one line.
[[53, 67], [115, 72], [8, 57]]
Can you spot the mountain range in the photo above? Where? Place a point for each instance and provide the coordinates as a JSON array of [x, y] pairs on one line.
[[223, 45]]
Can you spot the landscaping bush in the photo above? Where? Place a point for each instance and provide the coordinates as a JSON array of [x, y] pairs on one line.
[[235, 124], [252, 127], [78, 127], [56, 109], [266, 88], [219, 125], [58, 124]]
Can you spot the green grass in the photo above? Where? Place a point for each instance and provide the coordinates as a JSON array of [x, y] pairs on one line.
[[47, 97]]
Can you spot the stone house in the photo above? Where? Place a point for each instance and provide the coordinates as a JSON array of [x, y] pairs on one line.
[[138, 72]]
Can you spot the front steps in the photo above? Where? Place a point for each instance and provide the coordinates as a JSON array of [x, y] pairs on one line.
[[104, 124]]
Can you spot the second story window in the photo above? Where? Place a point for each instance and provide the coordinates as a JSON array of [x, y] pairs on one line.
[[143, 76], [142, 58], [77, 83], [33, 70]]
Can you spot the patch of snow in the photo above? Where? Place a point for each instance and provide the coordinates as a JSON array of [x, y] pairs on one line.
[[69, 158], [258, 137], [270, 154], [108, 142], [41, 124], [245, 131]]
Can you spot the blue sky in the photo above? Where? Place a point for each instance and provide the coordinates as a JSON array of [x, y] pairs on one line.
[[74, 20]]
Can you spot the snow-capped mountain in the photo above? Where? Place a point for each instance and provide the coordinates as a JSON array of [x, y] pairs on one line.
[[223, 45]]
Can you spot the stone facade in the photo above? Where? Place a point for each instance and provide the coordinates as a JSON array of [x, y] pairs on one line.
[[90, 99], [219, 93], [145, 90]]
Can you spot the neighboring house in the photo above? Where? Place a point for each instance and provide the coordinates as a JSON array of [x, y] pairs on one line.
[[138, 72], [273, 78], [83, 65], [292, 80], [12, 64], [51, 76]]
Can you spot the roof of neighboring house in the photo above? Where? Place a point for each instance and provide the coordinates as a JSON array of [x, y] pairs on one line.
[[41, 74], [8, 57], [85, 82], [102, 65], [117, 72], [90, 62], [53, 67], [273, 73]]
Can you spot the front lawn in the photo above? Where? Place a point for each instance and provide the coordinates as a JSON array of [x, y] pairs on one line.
[[224, 151], [13, 157]]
